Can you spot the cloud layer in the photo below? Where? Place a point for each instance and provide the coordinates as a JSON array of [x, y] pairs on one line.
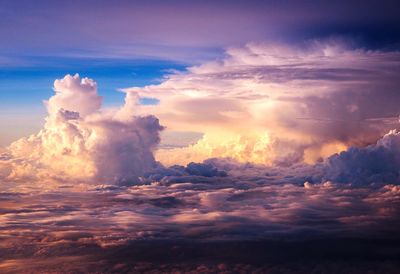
[[189, 210]]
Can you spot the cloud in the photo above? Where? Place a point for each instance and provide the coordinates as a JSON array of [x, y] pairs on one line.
[[76, 95], [377, 163], [234, 208], [288, 108], [279, 104], [372, 166], [79, 141]]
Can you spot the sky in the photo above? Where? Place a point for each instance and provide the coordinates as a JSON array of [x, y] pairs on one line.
[[173, 135]]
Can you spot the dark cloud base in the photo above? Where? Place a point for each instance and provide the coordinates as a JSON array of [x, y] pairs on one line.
[[279, 256]]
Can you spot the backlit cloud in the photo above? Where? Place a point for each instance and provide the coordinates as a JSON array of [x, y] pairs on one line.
[[280, 104]]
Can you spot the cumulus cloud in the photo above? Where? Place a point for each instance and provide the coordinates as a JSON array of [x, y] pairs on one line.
[[74, 94], [279, 104], [80, 141], [377, 163]]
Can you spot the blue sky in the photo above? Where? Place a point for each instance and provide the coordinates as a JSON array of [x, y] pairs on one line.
[[30, 84], [23, 89]]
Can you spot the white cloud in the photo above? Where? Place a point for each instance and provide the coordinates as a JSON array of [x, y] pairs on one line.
[[74, 94], [79, 141]]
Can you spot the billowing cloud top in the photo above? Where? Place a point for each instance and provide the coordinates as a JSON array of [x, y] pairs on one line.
[[79, 141], [74, 94]]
